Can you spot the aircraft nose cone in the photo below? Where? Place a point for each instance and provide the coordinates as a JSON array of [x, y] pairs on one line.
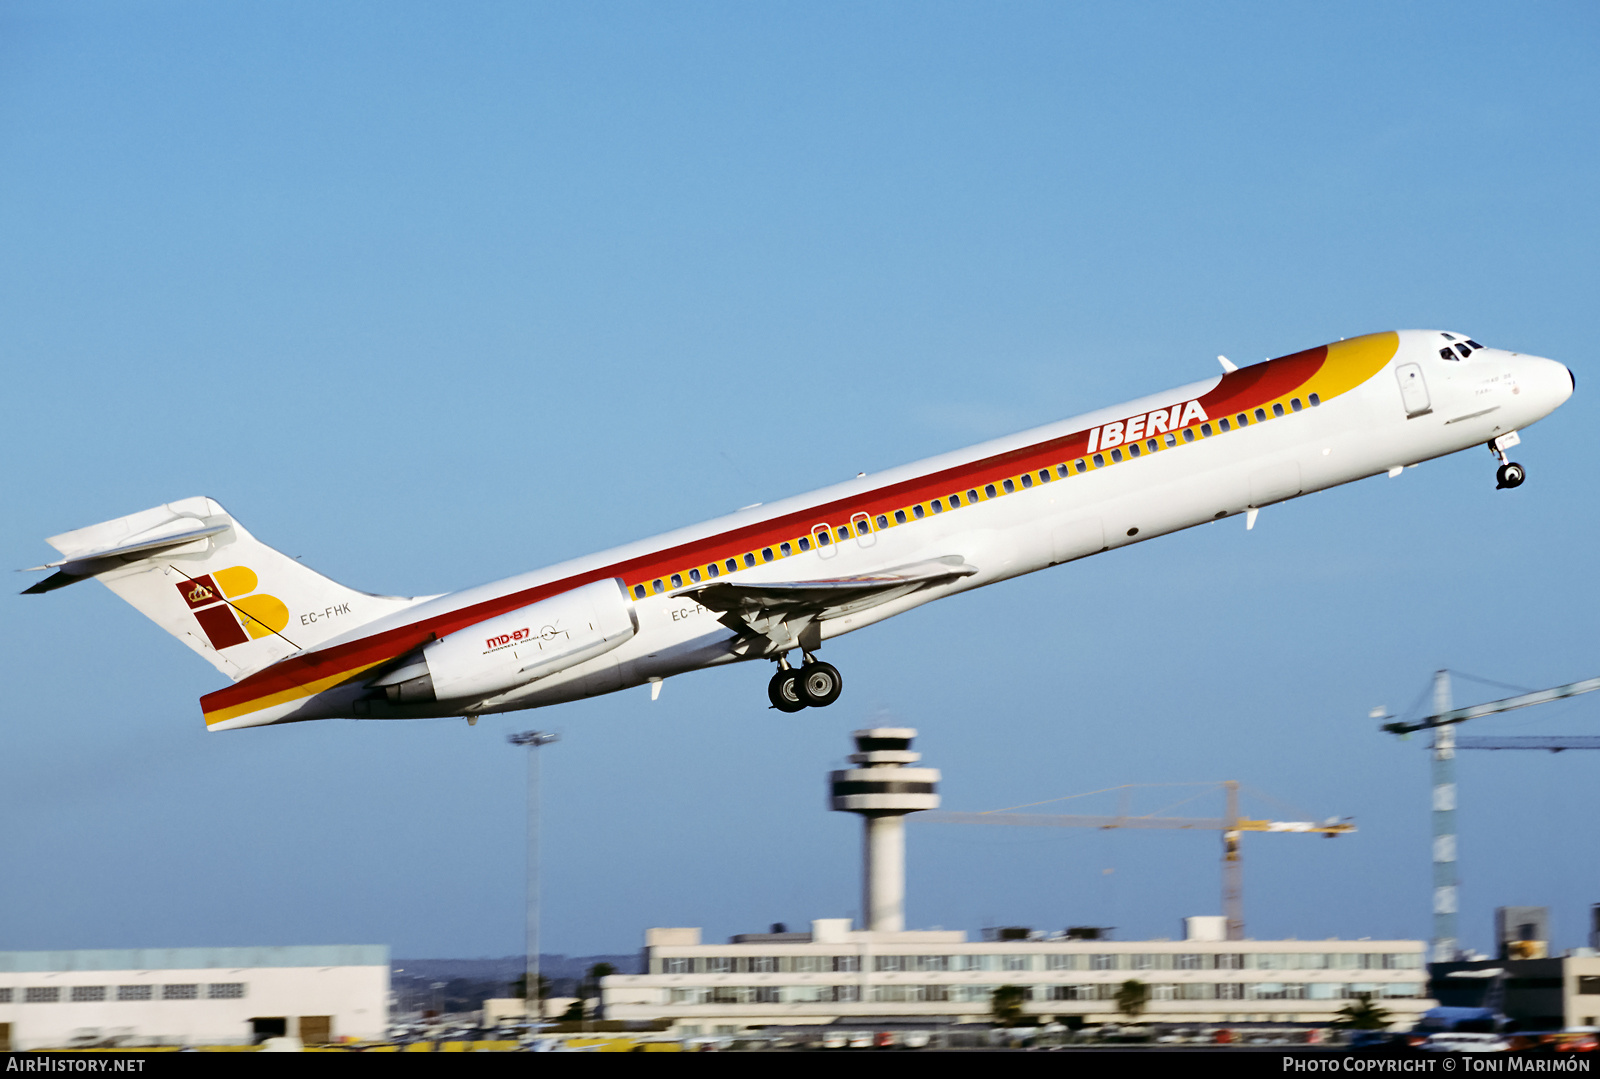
[[1551, 382]]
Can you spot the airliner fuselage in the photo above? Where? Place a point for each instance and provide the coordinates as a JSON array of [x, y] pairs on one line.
[[775, 580]]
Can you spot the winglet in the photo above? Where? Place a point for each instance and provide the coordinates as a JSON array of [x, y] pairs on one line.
[[1227, 364]]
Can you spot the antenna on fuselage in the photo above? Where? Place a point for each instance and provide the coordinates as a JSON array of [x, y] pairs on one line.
[[1227, 364]]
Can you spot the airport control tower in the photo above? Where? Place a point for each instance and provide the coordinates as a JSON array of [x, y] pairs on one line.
[[883, 790]]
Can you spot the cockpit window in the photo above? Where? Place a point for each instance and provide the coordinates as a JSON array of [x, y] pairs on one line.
[[1464, 350], [1473, 344], [1446, 354], [1447, 337]]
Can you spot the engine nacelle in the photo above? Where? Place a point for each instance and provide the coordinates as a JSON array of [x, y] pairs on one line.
[[516, 648]]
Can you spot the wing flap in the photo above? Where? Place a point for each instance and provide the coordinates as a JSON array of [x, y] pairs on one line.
[[784, 614]]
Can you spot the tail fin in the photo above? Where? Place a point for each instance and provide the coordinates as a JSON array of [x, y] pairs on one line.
[[197, 573]]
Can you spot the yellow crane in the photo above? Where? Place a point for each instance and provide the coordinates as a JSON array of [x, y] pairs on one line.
[[1230, 824]]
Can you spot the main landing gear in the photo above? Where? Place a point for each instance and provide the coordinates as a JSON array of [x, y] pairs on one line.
[[1509, 474], [814, 685]]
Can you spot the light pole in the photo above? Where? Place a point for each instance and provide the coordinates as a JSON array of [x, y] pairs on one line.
[[531, 999]]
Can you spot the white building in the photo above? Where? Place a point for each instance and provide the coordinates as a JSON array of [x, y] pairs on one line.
[[836, 973], [193, 996]]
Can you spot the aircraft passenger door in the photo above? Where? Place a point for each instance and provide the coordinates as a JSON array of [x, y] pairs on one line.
[[822, 540], [861, 525], [1413, 390]]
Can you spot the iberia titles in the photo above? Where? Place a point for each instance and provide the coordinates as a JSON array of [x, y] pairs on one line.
[[1150, 423]]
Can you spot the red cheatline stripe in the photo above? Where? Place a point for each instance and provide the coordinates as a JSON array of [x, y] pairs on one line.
[[1238, 391]]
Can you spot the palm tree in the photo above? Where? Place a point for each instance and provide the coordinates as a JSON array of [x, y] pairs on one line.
[[1006, 1004], [1132, 996], [1362, 1014]]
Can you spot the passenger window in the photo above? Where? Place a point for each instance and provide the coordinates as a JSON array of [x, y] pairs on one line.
[[694, 575], [1224, 425], [972, 496], [655, 586], [1080, 465], [677, 580], [766, 554], [786, 549], [750, 559], [1099, 460], [1315, 400], [844, 530], [918, 512], [712, 571], [1172, 439], [732, 565], [805, 543], [1009, 487], [862, 528], [1261, 415], [1027, 480], [1242, 419], [1205, 430], [638, 591], [823, 539], [1295, 404], [1150, 445], [938, 507], [1116, 456], [955, 501], [883, 522], [1063, 471], [1133, 451], [988, 490], [1277, 408], [899, 517], [1044, 475], [1188, 434]]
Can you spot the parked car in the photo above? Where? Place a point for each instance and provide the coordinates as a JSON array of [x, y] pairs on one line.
[[1465, 1042]]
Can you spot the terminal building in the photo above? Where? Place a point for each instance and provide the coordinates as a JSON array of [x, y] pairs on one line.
[[882, 972], [192, 996], [834, 974]]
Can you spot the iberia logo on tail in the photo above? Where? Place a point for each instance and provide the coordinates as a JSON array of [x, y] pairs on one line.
[[229, 609]]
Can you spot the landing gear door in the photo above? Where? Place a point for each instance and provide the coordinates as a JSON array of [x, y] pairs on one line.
[[1413, 390]]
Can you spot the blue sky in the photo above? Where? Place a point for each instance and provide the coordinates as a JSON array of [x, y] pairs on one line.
[[433, 294]]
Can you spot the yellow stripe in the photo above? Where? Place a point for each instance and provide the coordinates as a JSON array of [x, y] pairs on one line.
[[305, 689], [1349, 364]]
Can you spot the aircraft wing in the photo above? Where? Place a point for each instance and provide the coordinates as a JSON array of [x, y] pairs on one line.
[[775, 616]]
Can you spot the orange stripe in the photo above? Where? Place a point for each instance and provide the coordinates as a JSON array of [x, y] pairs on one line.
[[1340, 367]]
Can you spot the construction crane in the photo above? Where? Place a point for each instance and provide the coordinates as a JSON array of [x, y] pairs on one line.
[[1230, 824], [1443, 722], [1555, 743]]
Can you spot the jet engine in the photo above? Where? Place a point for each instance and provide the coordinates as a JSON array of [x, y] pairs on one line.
[[513, 649]]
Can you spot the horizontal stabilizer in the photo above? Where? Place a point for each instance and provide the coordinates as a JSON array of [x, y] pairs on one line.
[[80, 564], [200, 575]]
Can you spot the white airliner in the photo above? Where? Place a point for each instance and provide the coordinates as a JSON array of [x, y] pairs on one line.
[[770, 580]]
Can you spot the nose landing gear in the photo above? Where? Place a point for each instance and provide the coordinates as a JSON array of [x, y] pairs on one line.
[[815, 685], [1509, 474]]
